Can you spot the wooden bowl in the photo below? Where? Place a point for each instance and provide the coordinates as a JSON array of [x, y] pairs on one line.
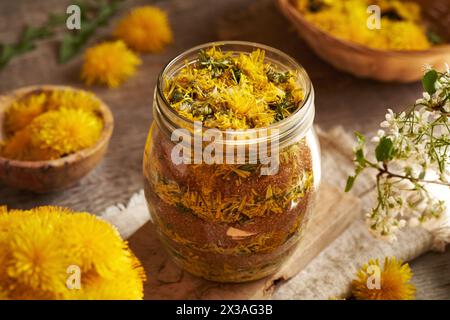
[[361, 61], [51, 175]]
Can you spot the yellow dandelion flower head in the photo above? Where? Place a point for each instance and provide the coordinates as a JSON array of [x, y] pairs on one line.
[[36, 259], [65, 131], [145, 29], [21, 147], [72, 99], [41, 116], [18, 146], [23, 111], [4, 225], [253, 65], [347, 20], [392, 282], [42, 244], [90, 238], [95, 285], [109, 63], [405, 35]]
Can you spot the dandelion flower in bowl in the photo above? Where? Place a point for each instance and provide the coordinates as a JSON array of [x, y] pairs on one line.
[[65, 131]]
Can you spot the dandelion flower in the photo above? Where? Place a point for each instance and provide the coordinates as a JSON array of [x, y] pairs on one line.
[[36, 259], [90, 238], [114, 290], [402, 25], [65, 131], [66, 118], [109, 63], [39, 248], [145, 29], [3, 294], [17, 146], [394, 281], [22, 112], [72, 99], [3, 239]]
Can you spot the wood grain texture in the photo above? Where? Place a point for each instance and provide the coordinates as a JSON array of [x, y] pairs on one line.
[[340, 98]]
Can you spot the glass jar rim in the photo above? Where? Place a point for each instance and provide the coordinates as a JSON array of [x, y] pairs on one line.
[[299, 117]]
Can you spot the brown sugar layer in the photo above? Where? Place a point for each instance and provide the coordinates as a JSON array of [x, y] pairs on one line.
[[230, 222]]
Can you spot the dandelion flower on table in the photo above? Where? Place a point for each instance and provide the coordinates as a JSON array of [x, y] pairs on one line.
[[394, 282], [37, 248], [113, 290], [145, 29], [89, 239], [36, 259], [109, 63]]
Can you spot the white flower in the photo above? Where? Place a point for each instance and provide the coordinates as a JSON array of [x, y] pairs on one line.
[[413, 222], [385, 124], [427, 67], [421, 140], [375, 139]]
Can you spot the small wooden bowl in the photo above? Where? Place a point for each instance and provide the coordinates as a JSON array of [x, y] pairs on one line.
[[361, 61], [51, 175]]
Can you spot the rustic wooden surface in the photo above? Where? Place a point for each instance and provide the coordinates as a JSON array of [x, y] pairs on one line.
[[340, 98]]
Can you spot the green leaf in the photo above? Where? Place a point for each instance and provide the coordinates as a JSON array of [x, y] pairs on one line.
[[34, 33], [360, 158], [72, 43], [94, 14], [428, 81], [360, 137], [67, 48], [23, 48], [106, 12], [422, 174], [248, 167], [350, 182], [28, 38], [6, 53], [55, 19], [434, 38], [384, 150]]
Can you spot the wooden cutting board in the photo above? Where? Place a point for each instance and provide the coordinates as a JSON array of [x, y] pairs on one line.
[[333, 213]]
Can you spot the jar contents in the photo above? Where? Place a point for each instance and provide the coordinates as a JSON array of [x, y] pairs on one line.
[[227, 91], [228, 222]]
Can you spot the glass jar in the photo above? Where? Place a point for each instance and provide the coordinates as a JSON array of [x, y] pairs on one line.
[[230, 222]]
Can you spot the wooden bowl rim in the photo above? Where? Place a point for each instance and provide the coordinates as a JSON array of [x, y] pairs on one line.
[[108, 124], [293, 13]]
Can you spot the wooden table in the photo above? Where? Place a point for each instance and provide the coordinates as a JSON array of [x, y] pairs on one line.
[[340, 98]]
